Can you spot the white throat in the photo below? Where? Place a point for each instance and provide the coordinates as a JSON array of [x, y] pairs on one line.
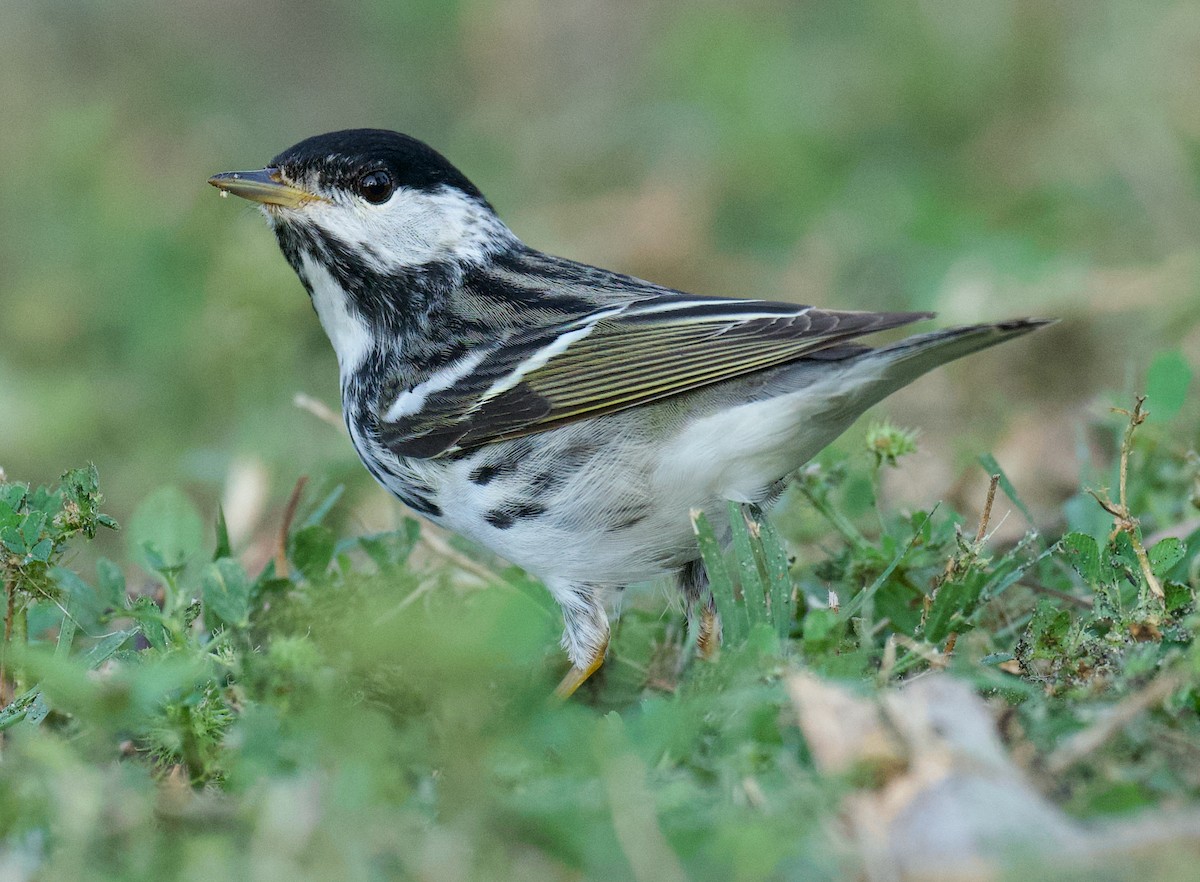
[[348, 332]]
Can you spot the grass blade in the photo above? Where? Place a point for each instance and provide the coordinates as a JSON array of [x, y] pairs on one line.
[[779, 579], [319, 513], [746, 555], [734, 624]]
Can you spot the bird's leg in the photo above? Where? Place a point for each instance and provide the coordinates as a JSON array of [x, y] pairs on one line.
[[585, 633], [693, 582]]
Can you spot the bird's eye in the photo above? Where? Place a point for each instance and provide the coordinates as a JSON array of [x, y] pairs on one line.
[[376, 187]]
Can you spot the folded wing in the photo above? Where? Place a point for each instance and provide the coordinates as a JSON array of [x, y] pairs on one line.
[[609, 360]]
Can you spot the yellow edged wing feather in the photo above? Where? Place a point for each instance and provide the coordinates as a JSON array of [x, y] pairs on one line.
[[619, 358]]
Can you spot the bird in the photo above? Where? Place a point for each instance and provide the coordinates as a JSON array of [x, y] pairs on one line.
[[568, 417]]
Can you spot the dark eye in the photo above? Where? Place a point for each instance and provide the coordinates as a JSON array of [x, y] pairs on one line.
[[376, 186]]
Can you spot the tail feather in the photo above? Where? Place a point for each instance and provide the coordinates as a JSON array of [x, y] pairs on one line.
[[913, 356]]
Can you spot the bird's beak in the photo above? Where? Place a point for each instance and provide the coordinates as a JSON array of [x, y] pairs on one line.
[[265, 185]]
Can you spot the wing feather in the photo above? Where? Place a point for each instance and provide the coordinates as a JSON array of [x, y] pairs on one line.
[[620, 357]]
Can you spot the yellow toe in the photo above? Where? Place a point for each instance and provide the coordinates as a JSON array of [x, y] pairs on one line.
[[577, 676]]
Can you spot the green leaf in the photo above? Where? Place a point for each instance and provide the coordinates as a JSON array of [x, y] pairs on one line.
[[150, 621], [17, 709], [1167, 383], [1048, 630], [82, 599], [1178, 596], [13, 540], [312, 549], [1083, 554], [38, 710], [110, 643], [224, 549], [226, 593], [31, 529], [44, 500], [41, 551], [82, 487], [822, 630], [995, 658], [66, 631], [166, 530], [390, 550], [1164, 555], [12, 499], [156, 560], [1119, 563], [867, 595]]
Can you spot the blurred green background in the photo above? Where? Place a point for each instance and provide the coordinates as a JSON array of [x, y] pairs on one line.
[[985, 160]]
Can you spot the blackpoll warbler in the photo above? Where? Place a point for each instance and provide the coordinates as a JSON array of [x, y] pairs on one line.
[[566, 416]]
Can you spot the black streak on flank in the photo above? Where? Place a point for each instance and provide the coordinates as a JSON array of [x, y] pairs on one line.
[[499, 519], [506, 463], [629, 516], [485, 474], [503, 518], [421, 504]]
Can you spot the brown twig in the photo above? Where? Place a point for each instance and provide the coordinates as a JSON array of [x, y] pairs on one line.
[[320, 410], [958, 561], [1123, 519], [289, 514], [986, 514]]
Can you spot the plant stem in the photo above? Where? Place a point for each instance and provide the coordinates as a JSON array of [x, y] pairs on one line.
[[10, 589], [1123, 519], [839, 521]]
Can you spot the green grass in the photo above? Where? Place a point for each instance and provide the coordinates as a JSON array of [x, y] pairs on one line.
[[378, 712]]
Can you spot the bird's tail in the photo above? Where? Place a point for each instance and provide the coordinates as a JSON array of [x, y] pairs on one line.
[[816, 399], [902, 362]]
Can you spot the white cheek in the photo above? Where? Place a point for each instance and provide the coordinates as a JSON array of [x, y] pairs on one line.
[[347, 331], [414, 228]]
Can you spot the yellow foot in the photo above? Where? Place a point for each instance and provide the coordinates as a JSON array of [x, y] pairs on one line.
[[709, 638], [576, 677]]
